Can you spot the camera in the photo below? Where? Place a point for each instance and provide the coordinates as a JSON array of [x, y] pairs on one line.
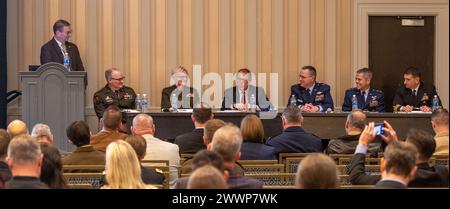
[[378, 129]]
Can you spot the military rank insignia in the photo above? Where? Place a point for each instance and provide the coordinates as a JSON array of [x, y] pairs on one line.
[[373, 102], [320, 97], [108, 99]]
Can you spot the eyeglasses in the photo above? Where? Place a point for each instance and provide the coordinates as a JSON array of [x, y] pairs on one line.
[[118, 79]]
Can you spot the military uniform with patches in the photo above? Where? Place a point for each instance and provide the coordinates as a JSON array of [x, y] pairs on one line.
[[320, 95], [374, 101], [123, 98], [423, 97]]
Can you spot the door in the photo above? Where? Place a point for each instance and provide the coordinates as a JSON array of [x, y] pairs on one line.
[[393, 48]]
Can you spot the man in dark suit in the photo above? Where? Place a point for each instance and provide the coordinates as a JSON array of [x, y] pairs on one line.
[[187, 97], [369, 99], [414, 94], [398, 166], [294, 138], [239, 97], [423, 142], [354, 125], [25, 160], [56, 49], [311, 96], [193, 141], [149, 176]]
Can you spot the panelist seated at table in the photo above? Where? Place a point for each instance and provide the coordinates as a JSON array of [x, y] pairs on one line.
[[311, 96], [414, 94], [239, 97], [187, 97], [369, 99]]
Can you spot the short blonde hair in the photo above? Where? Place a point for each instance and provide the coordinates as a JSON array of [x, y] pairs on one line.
[[227, 142], [317, 171], [123, 170], [207, 177]]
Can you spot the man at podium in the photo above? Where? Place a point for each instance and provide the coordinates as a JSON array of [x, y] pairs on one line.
[[56, 49], [114, 93]]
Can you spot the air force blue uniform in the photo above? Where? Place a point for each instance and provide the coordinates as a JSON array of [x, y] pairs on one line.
[[374, 101], [320, 95]]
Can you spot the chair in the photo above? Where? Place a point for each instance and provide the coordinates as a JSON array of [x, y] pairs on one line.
[[185, 156], [440, 159], [162, 166], [368, 161], [291, 164], [283, 156], [370, 169], [96, 180], [80, 186], [356, 187], [257, 162], [83, 168], [263, 169], [279, 179], [278, 187], [344, 180]]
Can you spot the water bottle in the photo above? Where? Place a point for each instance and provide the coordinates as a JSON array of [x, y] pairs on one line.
[[66, 61], [174, 102], [293, 101], [354, 102], [252, 103], [435, 104], [138, 102], [144, 103]]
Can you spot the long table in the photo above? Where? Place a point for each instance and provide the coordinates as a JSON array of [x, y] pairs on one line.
[[324, 125]]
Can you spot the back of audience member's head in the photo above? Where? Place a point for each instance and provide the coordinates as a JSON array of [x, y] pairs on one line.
[[207, 177], [227, 142], [142, 123], [210, 128], [78, 133], [439, 117], [202, 114], [51, 171], [41, 133], [317, 171], [399, 159], [252, 129], [123, 170], [356, 119], [4, 142], [24, 151], [423, 142], [17, 127], [139, 145], [206, 157], [112, 118], [292, 115]]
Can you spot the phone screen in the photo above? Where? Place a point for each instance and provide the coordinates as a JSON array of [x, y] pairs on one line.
[[378, 129]]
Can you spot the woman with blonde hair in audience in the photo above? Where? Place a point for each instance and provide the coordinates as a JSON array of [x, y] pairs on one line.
[[317, 171], [253, 147], [122, 167]]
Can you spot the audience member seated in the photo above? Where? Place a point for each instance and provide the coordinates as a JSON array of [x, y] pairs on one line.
[[79, 135], [51, 170], [317, 171], [122, 167], [423, 142], [439, 122], [112, 118], [202, 158], [193, 141], [17, 127], [398, 166], [294, 138], [253, 147], [25, 160], [5, 172], [207, 177], [157, 149], [41, 133], [227, 142], [210, 128], [149, 176], [354, 125]]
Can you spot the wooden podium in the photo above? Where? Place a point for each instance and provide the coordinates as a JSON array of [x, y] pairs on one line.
[[54, 96]]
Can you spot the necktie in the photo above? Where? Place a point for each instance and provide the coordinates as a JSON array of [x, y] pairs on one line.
[[64, 49], [363, 93], [414, 92], [308, 91], [243, 98]]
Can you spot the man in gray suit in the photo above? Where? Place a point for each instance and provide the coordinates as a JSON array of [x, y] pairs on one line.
[[239, 97]]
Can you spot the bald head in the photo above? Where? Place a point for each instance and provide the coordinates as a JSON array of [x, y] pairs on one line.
[[356, 120], [143, 124], [17, 127]]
